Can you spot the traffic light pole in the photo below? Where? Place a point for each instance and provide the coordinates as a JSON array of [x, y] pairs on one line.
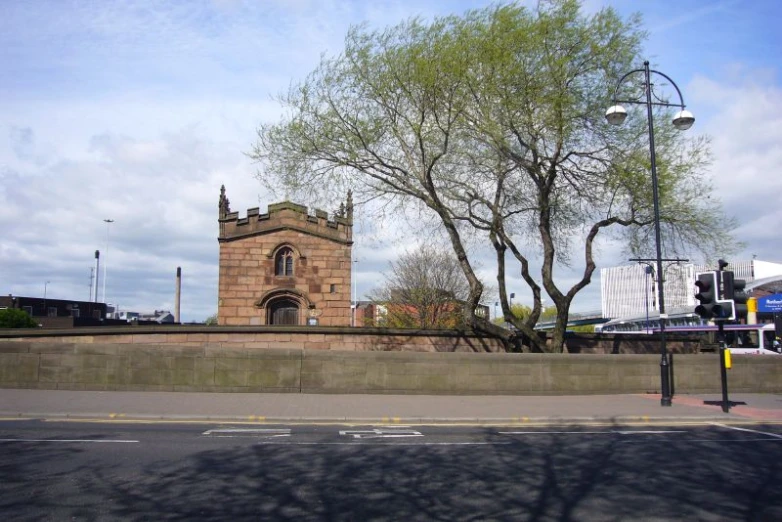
[[723, 367], [721, 338], [718, 294]]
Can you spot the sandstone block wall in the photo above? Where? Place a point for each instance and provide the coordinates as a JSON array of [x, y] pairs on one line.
[[146, 367], [352, 360], [110, 366], [247, 275], [322, 266]]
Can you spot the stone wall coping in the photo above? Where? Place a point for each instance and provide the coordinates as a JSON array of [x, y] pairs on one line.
[[252, 233], [397, 356], [188, 329], [99, 331]]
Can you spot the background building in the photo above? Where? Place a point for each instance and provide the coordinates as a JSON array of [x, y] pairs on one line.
[[631, 290], [285, 267], [58, 313]]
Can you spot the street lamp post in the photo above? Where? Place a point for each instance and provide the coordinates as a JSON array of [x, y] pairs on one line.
[[683, 120], [648, 270]]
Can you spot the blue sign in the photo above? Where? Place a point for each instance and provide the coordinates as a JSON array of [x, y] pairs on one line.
[[770, 304]]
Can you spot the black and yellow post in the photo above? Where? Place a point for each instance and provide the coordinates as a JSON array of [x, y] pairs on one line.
[[724, 365]]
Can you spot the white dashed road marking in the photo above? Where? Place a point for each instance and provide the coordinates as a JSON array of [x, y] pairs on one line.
[[70, 440], [631, 432], [248, 432]]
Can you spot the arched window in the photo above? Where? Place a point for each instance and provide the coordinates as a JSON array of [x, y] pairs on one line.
[[283, 311], [283, 262]]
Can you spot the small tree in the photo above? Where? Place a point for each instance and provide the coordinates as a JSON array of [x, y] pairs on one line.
[[519, 311], [211, 320], [16, 318], [585, 328], [522, 313], [424, 289]]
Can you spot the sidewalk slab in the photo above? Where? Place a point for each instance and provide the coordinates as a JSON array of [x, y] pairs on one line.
[[377, 409]]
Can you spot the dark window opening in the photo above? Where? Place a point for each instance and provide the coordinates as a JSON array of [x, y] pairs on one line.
[[283, 262]]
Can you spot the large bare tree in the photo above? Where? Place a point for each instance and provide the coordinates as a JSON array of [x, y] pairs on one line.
[[493, 122]]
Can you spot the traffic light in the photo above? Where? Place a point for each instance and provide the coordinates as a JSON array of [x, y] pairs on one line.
[[708, 293], [733, 289], [725, 310]]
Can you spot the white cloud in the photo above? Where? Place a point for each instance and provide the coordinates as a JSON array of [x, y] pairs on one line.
[[746, 127], [138, 111]]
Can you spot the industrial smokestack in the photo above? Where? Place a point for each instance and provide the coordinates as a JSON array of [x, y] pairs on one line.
[[178, 293], [97, 273]]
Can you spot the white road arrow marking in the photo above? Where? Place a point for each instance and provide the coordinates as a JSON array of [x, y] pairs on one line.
[[381, 433]]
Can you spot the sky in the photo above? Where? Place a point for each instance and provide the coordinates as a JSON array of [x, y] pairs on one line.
[[137, 111]]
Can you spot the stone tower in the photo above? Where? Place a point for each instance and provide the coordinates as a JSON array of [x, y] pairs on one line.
[[285, 267]]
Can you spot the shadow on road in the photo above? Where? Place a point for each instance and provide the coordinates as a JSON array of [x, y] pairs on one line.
[[702, 475]]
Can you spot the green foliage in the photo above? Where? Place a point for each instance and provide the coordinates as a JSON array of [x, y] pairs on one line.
[[520, 311], [16, 318], [211, 320], [586, 328]]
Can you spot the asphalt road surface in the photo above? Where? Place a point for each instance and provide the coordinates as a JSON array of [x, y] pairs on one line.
[[103, 471]]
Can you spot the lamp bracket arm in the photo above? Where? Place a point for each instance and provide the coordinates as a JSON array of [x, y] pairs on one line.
[[622, 80], [661, 104], [657, 103], [681, 98]]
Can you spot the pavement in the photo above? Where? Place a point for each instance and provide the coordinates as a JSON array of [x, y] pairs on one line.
[[374, 409]]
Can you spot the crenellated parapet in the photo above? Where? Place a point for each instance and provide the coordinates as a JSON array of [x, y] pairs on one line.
[[286, 216]]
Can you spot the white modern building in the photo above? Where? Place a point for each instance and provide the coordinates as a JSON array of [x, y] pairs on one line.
[[631, 290]]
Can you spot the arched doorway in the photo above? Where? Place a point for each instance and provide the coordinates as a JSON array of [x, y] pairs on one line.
[[283, 311]]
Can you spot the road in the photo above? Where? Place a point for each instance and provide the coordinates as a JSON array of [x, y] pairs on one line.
[[104, 471]]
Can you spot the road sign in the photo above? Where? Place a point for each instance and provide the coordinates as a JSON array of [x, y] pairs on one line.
[[770, 303]]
